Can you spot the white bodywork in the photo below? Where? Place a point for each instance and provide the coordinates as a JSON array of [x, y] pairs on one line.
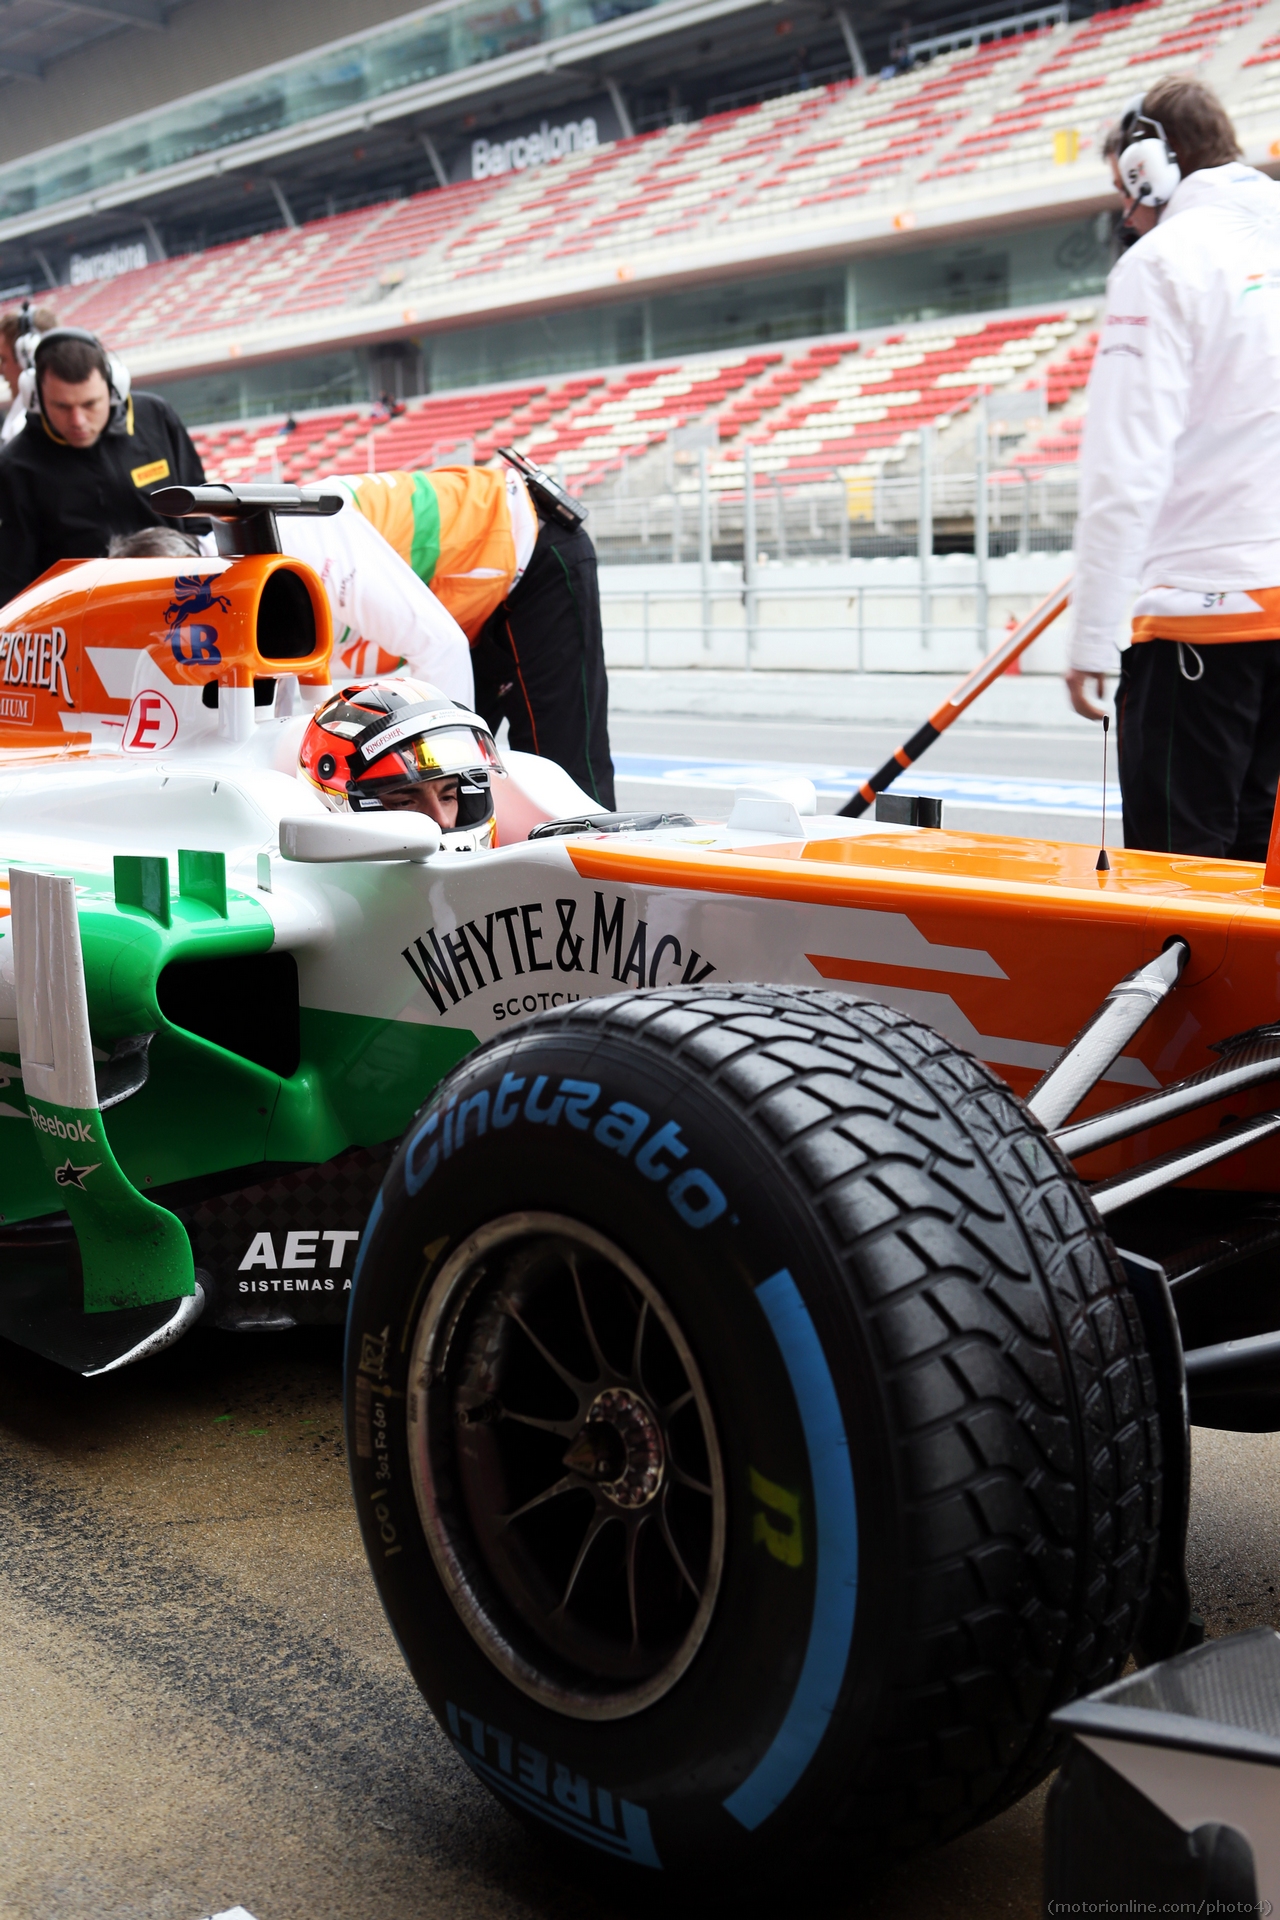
[[479, 942]]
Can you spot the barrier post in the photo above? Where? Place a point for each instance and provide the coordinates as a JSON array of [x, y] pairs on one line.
[[981, 525], [704, 543], [924, 530], [750, 551]]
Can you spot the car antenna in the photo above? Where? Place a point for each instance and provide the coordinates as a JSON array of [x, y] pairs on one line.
[[1104, 862]]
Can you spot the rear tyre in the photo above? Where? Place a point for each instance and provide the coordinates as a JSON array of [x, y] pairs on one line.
[[751, 1430]]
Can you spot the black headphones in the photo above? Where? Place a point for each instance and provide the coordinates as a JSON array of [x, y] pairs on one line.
[[114, 371]]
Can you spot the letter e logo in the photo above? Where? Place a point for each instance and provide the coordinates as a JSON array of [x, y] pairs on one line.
[[152, 724]]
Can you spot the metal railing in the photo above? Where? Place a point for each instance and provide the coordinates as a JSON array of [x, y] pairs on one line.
[[855, 627], [1025, 509]]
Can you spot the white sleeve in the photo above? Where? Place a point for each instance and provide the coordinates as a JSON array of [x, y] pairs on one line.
[[524, 521], [1138, 396], [375, 595]]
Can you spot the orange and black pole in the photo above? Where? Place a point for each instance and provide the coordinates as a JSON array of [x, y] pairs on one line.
[[960, 697]]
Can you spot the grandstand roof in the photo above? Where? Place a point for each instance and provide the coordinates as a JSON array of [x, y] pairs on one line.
[[255, 145], [35, 33]]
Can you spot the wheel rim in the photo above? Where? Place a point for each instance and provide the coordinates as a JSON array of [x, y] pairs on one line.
[[565, 1465]]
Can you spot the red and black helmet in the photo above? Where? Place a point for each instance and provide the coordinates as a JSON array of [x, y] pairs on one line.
[[382, 737]]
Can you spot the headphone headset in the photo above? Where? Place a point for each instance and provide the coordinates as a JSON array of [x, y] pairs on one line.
[[118, 378], [1146, 162]]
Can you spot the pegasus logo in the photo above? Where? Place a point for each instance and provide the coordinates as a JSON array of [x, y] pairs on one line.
[[192, 642], [194, 594]]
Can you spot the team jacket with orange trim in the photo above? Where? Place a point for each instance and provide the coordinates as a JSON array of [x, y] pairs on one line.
[[1182, 439], [65, 503], [468, 532]]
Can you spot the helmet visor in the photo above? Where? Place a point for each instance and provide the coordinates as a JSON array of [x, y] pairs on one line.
[[459, 757]]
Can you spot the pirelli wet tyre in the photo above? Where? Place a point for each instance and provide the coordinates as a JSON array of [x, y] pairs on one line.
[[751, 1430]]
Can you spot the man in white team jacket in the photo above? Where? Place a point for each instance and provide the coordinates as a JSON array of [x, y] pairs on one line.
[[1180, 487]]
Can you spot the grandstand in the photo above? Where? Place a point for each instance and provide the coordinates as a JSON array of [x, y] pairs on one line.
[[973, 134], [996, 127], [845, 406]]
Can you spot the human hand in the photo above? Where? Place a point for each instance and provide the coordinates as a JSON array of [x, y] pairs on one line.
[[1077, 682]]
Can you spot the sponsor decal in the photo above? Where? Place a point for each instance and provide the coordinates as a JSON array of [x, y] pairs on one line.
[[191, 641], [552, 1791], [621, 1129], [17, 709], [610, 941], [299, 1256], [194, 593], [152, 724], [491, 158], [154, 470], [36, 660], [86, 267], [70, 1176], [71, 1130]]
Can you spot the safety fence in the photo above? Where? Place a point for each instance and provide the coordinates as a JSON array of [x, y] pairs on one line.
[[1015, 509], [759, 622]]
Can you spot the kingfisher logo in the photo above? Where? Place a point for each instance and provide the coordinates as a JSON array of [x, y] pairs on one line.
[[36, 660], [194, 643]]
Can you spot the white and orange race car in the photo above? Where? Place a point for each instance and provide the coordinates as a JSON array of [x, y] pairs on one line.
[[755, 1429]]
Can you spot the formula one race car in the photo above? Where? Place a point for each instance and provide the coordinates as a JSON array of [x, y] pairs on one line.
[[755, 1430]]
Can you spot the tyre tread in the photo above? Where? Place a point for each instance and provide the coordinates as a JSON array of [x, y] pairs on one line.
[[1026, 1444]]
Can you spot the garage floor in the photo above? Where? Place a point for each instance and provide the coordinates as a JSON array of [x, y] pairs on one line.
[[201, 1706]]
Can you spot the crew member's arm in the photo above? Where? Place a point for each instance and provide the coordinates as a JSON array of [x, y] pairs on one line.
[[375, 596], [1138, 399], [20, 561]]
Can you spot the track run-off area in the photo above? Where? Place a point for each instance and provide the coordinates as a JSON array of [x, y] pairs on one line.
[[202, 1706]]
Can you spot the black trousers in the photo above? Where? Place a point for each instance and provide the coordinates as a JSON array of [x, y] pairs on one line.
[[1198, 733], [539, 662]]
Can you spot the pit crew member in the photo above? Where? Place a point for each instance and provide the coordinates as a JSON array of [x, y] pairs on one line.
[[399, 744], [86, 461], [526, 594], [14, 360], [1181, 442]]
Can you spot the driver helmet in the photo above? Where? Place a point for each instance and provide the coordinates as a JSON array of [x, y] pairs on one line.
[[385, 745]]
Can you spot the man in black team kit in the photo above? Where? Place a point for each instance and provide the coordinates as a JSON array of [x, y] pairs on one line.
[[83, 468]]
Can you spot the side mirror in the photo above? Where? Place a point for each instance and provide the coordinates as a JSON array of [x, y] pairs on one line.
[[370, 836]]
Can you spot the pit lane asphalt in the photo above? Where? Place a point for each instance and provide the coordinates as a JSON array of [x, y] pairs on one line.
[[201, 1704]]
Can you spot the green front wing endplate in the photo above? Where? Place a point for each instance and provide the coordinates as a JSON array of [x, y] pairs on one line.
[[133, 1252]]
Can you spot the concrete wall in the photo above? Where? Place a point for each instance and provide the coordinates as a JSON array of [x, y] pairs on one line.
[[808, 616], [204, 43]]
